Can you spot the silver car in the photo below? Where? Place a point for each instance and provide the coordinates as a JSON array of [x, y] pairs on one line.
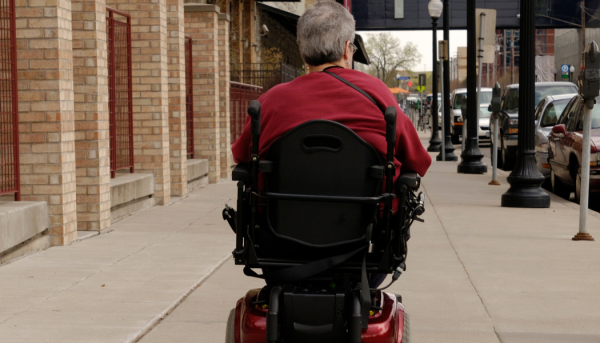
[[547, 113]]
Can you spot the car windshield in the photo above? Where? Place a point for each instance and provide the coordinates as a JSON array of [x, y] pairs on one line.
[[458, 100], [595, 118], [485, 98], [543, 91], [484, 113]]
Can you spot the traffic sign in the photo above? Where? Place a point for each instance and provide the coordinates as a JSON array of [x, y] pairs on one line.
[[410, 83], [421, 88], [565, 69], [404, 78]]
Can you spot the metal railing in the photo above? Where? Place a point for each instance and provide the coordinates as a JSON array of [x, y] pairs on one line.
[[9, 110], [120, 90], [265, 75], [189, 97], [240, 96]]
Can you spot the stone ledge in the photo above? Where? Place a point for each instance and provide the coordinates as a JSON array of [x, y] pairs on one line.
[[126, 188], [196, 169], [20, 221], [191, 7]]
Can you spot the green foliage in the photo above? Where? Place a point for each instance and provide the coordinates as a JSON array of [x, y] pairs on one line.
[[388, 55]]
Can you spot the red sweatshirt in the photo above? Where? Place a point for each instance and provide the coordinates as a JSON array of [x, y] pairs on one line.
[[322, 96]]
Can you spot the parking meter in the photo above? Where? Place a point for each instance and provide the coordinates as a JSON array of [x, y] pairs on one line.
[[496, 99], [589, 88], [495, 107], [589, 82]]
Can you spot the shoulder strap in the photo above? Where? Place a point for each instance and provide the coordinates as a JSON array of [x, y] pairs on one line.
[[348, 83]]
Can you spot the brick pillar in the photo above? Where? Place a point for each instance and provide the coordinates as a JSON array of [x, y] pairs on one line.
[[224, 112], [45, 74], [177, 110], [150, 90], [249, 31], [201, 23], [90, 80]]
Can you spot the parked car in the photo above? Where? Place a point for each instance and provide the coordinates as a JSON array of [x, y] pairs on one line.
[[508, 117], [565, 149], [546, 115], [458, 97]]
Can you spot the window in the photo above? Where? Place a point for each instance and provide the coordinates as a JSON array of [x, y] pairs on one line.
[[553, 112], [399, 9], [595, 117], [570, 118], [458, 100], [512, 101]]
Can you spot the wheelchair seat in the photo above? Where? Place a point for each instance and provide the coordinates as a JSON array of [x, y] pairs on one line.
[[321, 220]]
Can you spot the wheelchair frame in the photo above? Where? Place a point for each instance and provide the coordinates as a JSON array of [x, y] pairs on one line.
[[390, 259]]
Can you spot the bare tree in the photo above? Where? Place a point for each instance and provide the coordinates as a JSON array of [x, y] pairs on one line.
[[388, 55]]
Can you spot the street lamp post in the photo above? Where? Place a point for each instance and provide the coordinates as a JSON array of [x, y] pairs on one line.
[[449, 147], [435, 10], [471, 156], [572, 70], [525, 180]]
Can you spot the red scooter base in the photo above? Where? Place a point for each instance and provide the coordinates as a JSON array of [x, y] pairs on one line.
[[385, 326]]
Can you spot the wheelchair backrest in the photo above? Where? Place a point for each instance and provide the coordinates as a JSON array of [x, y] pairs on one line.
[[321, 158]]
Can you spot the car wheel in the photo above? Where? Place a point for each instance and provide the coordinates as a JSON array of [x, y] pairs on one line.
[[558, 187], [406, 329], [230, 333], [507, 163]]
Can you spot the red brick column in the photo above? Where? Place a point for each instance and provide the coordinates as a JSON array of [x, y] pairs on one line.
[[201, 23], [45, 73], [150, 90], [224, 104], [177, 110], [90, 80]]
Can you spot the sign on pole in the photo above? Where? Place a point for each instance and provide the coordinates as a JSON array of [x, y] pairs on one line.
[[565, 71], [422, 79]]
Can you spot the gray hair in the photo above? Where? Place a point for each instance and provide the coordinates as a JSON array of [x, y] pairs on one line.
[[323, 31]]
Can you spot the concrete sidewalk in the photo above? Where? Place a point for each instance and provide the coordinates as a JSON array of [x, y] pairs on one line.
[[476, 273], [115, 286]]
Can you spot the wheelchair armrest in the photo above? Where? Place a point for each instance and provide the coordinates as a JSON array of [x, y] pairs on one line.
[[241, 172], [409, 179]]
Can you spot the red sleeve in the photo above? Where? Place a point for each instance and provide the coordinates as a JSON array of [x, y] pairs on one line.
[[241, 147], [409, 149]]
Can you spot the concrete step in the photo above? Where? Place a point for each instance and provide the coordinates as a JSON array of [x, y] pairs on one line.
[[21, 221]]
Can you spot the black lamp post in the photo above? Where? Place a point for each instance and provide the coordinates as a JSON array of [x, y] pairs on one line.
[[471, 157], [435, 10], [450, 156], [525, 180]]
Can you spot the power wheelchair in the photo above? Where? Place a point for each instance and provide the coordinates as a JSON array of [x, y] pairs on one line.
[[318, 226]]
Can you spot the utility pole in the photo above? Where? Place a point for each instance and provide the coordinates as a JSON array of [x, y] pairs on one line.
[[504, 58], [512, 56]]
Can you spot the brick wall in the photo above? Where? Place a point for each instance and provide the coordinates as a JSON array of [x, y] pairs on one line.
[[177, 110], [201, 23], [150, 90], [45, 73], [90, 78]]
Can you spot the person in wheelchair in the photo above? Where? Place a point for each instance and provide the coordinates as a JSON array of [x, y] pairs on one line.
[[327, 171]]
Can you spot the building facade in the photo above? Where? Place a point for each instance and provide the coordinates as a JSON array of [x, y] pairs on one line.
[[125, 104]]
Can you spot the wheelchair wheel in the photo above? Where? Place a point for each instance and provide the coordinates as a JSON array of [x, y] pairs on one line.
[[230, 333], [406, 329]]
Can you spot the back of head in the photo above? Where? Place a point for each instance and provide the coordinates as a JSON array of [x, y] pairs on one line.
[[323, 31]]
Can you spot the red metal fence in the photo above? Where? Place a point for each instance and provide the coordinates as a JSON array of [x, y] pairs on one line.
[[119, 88], [240, 96], [9, 119], [189, 97]]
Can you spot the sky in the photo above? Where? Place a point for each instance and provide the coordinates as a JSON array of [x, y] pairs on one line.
[[422, 39]]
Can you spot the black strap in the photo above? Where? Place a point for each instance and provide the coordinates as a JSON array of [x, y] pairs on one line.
[[348, 83], [365, 295], [303, 271]]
